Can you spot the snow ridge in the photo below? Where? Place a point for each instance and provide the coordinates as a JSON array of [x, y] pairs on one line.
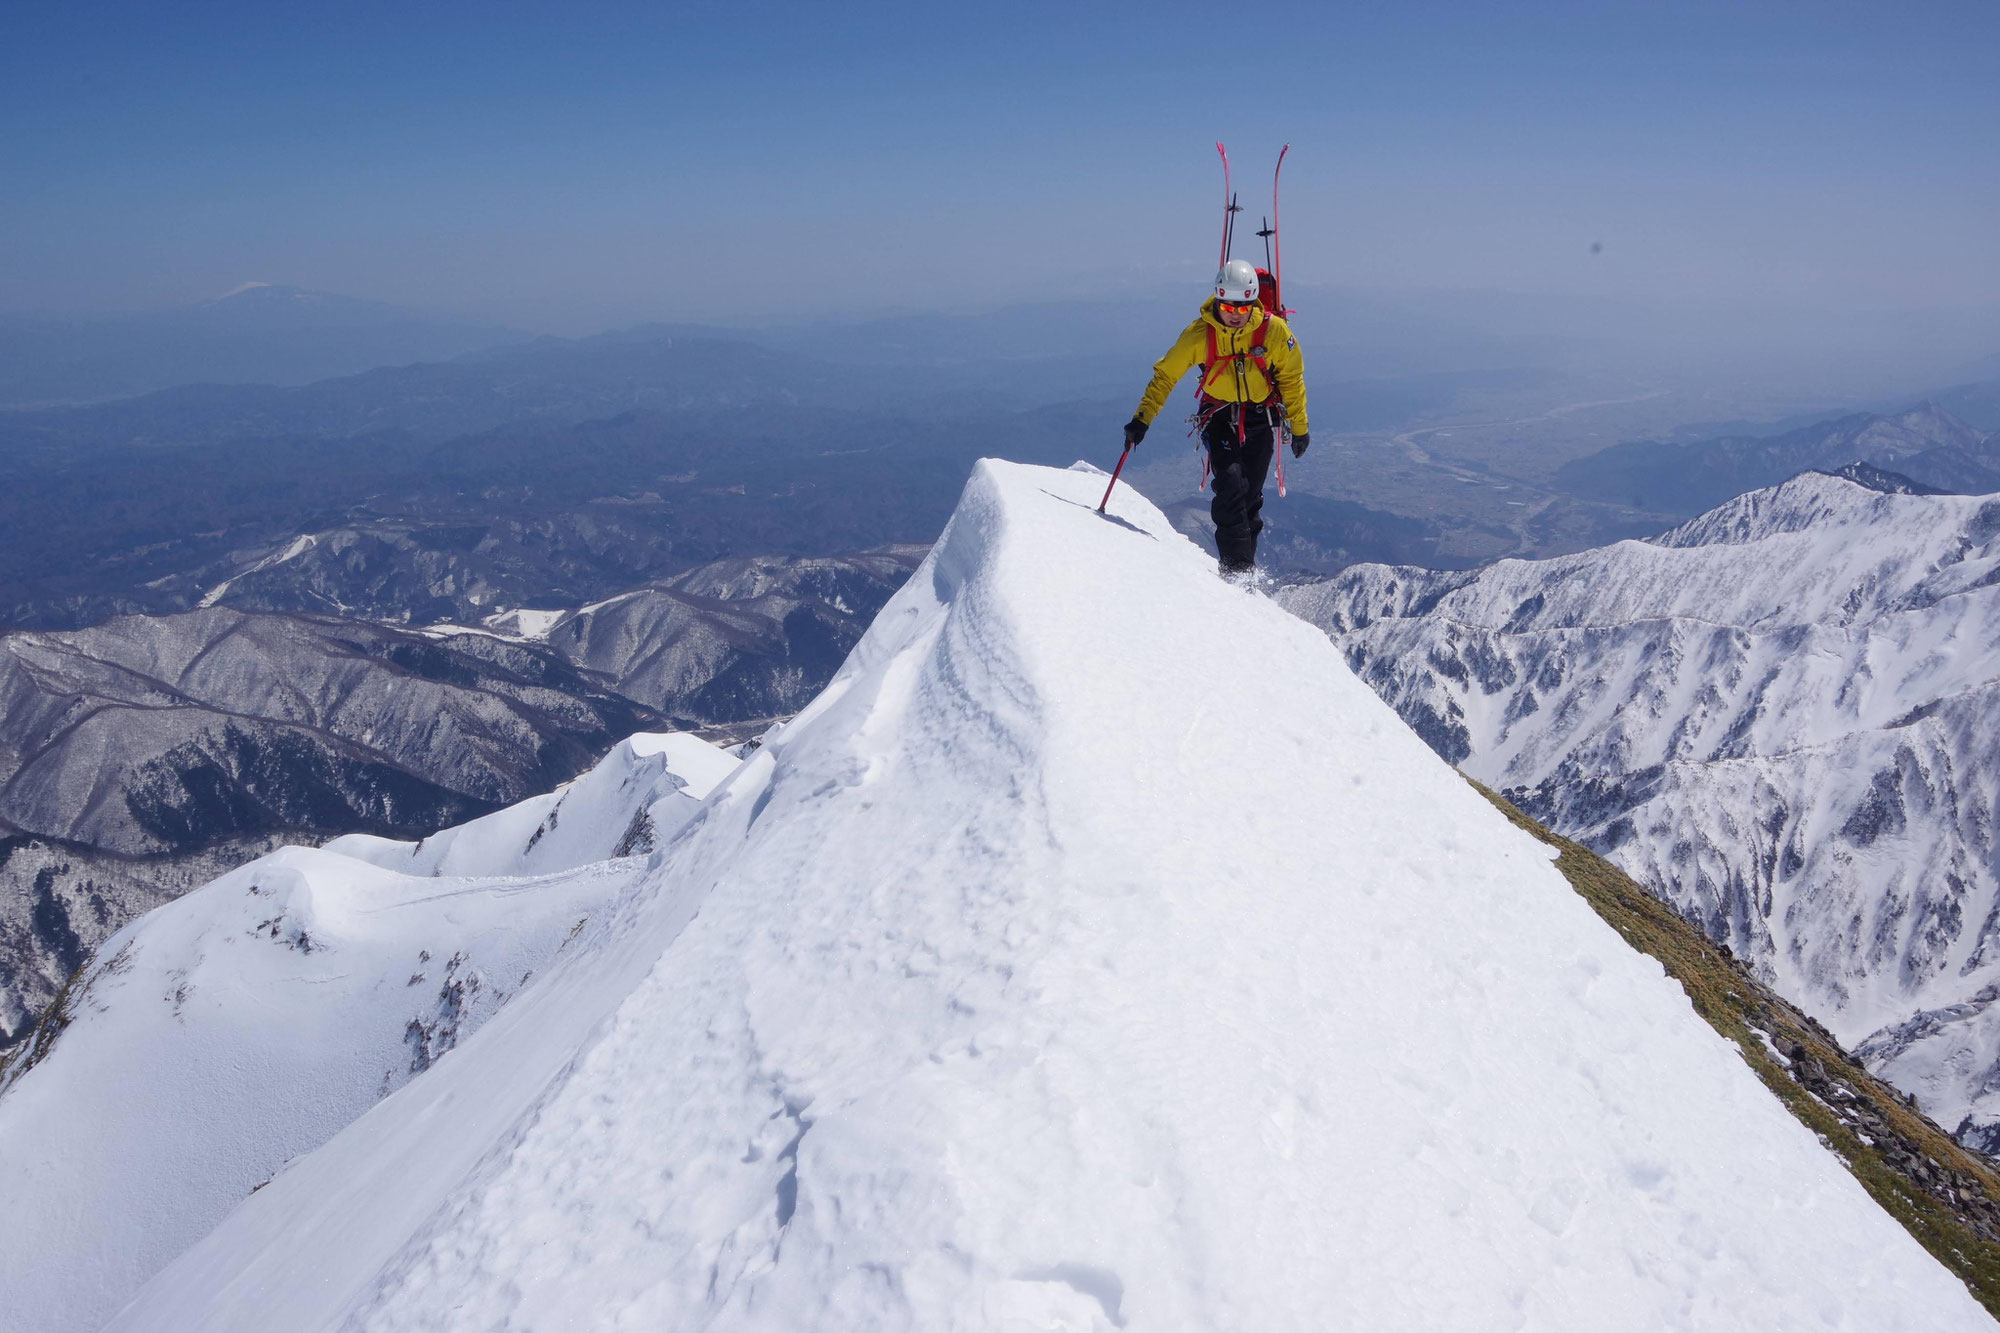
[[1046, 973]]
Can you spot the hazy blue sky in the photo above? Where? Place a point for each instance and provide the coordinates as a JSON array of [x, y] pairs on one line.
[[571, 167]]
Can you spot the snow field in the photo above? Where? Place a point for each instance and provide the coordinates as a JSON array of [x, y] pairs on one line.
[[1096, 952]]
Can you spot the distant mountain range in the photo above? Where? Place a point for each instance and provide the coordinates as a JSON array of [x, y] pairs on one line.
[[556, 472], [1783, 716], [560, 472], [258, 334], [553, 471], [144, 755], [547, 381], [1925, 443], [547, 515], [736, 639]]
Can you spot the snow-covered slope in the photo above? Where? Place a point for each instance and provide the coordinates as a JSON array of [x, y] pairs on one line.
[[1053, 971], [1784, 715], [645, 789], [231, 1030]]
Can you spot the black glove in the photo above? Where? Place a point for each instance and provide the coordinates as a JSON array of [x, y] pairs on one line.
[[1299, 443], [1135, 431]]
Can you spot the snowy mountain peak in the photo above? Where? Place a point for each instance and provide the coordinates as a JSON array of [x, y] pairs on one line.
[[1810, 499], [1881, 479], [1819, 547], [1783, 717], [1096, 952]]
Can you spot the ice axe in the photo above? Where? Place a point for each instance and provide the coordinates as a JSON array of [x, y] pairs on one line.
[[1114, 478]]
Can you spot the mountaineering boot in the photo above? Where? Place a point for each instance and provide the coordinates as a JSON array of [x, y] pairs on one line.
[[1247, 577]]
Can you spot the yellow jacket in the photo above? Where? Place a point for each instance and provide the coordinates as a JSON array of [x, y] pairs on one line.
[[1281, 349]]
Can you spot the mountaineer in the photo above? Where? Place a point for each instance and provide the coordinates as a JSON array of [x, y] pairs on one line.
[[1252, 388]]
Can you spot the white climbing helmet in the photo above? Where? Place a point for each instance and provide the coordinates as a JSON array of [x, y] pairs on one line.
[[1237, 281]]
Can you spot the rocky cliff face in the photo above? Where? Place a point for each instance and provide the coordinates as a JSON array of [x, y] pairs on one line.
[[1784, 716]]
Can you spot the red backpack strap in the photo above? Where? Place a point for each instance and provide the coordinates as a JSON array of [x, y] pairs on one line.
[[1214, 355]]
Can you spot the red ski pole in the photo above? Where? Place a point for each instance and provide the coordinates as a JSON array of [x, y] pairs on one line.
[[1114, 478]]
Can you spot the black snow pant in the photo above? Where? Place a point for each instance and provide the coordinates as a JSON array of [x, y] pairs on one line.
[[1237, 474]]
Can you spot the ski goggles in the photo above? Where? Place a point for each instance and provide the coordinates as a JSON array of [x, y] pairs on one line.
[[1236, 307]]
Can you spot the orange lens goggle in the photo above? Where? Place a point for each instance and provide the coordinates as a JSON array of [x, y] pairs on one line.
[[1236, 307]]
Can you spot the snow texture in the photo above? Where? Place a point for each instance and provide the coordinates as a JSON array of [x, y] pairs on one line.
[[1095, 953], [1783, 715], [246, 1023]]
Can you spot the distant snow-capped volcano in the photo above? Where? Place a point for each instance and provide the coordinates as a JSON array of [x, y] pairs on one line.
[[1783, 715]]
